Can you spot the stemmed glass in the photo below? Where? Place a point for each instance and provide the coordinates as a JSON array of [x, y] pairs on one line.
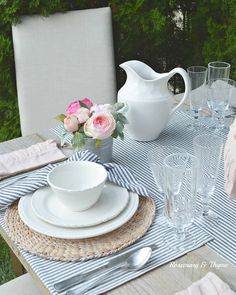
[[197, 75], [217, 70], [220, 92], [156, 158], [180, 194], [208, 149]]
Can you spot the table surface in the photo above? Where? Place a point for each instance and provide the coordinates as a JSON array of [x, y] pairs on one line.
[[167, 279]]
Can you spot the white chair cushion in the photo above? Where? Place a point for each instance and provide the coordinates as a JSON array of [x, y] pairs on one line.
[[23, 285], [60, 58]]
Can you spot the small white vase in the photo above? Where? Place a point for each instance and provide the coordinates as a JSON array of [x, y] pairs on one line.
[[104, 151]]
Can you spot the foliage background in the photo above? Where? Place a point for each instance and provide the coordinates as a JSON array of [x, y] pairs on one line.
[[148, 30]]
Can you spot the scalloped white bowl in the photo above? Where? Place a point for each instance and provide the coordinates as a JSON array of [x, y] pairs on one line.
[[77, 185]]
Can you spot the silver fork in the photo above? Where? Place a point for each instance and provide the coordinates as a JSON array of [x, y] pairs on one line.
[[82, 277]]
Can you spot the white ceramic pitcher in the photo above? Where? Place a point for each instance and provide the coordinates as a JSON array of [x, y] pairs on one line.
[[149, 100]]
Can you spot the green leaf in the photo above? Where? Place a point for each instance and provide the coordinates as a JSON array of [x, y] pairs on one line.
[[120, 127], [118, 106], [83, 105], [115, 116], [121, 135], [98, 143], [78, 140], [118, 132], [115, 133], [60, 118], [121, 118], [65, 137], [63, 140]]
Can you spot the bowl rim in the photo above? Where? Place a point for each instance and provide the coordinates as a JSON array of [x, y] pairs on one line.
[[97, 165]]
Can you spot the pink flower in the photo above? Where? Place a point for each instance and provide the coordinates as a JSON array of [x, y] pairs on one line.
[[75, 105], [82, 114], [96, 108], [100, 125], [72, 107], [88, 102], [71, 123]]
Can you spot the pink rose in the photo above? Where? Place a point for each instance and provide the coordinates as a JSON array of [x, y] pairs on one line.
[[96, 108], [88, 102], [82, 114], [72, 107], [100, 126], [71, 123], [75, 105]]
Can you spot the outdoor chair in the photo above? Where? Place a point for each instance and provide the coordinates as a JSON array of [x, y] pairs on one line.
[[60, 58]]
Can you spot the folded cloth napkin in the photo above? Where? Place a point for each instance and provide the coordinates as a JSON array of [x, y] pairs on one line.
[[30, 158], [230, 162], [117, 174], [211, 284]]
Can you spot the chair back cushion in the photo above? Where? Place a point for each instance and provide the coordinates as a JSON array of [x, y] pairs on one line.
[[60, 58]]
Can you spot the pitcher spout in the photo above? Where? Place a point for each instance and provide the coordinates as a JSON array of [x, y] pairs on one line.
[[139, 70]]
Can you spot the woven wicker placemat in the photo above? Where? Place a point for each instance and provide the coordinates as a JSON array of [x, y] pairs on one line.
[[84, 249]]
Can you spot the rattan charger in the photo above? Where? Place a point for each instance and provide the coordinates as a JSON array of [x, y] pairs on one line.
[[84, 249]]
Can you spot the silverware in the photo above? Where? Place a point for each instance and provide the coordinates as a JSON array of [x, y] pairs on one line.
[[133, 262], [79, 278]]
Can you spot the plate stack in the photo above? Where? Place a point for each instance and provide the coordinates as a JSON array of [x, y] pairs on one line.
[[43, 212]]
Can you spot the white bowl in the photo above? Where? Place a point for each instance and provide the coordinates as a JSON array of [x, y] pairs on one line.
[[77, 185]]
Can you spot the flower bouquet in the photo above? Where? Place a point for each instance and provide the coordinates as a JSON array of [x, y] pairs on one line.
[[84, 119]]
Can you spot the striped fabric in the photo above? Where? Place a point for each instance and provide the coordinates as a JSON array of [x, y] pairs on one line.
[[224, 232], [133, 154], [116, 174], [51, 272]]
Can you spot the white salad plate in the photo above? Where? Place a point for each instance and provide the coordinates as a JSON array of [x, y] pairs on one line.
[[111, 203], [28, 216]]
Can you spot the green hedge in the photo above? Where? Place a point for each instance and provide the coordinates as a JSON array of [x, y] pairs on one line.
[[143, 29]]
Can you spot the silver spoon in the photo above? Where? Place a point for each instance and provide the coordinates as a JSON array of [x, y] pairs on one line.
[[89, 275], [133, 262]]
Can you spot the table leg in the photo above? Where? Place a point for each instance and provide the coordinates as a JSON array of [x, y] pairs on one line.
[[16, 265]]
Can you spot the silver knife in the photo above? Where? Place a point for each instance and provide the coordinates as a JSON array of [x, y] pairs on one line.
[[79, 278]]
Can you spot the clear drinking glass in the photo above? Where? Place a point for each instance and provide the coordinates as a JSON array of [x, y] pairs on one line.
[[208, 149], [218, 70], [198, 76], [156, 158], [180, 193], [220, 93]]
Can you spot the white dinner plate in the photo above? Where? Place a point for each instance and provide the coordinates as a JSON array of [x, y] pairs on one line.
[[111, 203], [32, 221]]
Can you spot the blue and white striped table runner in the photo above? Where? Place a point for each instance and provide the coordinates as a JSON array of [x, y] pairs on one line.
[[177, 134], [132, 154]]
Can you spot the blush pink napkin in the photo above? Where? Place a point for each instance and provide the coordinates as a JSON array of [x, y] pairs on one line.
[[29, 158], [211, 284], [230, 162]]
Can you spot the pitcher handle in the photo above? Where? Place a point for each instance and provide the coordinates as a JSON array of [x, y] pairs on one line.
[[185, 76]]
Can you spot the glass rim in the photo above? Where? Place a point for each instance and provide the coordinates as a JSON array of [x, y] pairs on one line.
[[219, 143], [190, 69], [222, 79], [164, 146], [227, 65], [190, 156]]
